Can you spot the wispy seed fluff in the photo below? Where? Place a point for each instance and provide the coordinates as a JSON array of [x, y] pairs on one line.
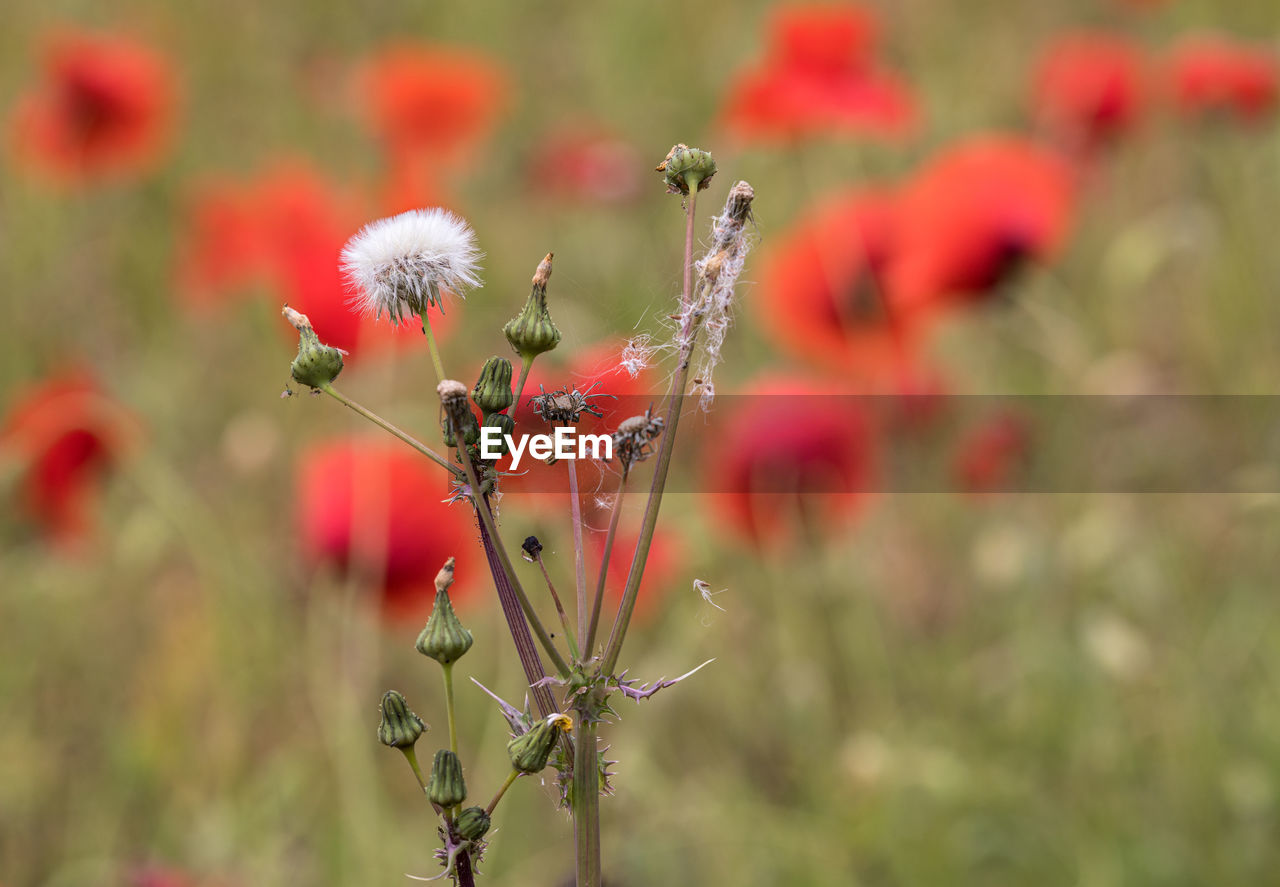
[[400, 264], [718, 273]]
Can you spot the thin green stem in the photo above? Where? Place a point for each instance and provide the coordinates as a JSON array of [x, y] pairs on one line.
[[448, 705], [598, 604], [387, 426], [564, 618], [586, 805], [579, 555], [502, 791], [526, 363], [504, 561], [411, 756], [675, 402], [431, 346]]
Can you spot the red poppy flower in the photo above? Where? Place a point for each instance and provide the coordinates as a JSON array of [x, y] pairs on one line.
[[1213, 74], [791, 457], [973, 215], [818, 78], [585, 164], [822, 293], [62, 436], [1089, 88], [105, 108], [375, 510], [989, 457], [430, 107], [285, 229], [223, 249]]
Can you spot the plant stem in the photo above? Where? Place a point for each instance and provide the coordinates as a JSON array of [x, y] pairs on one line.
[[431, 346], [502, 791], [387, 426], [462, 867], [598, 604], [586, 804], [448, 706], [411, 756], [525, 649], [525, 364], [504, 562], [675, 401], [579, 556], [564, 619]]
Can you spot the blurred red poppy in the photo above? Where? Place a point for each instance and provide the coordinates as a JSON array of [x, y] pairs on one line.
[[61, 436], [1089, 88], [989, 457], [430, 107], [822, 295], [285, 229], [973, 215], [818, 78], [586, 164], [791, 458], [1214, 74], [374, 509], [104, 108], [222, 250]]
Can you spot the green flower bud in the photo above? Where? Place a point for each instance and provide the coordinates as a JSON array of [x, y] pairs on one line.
[[446, 786], [400, 727], [472, 823], [505, 425], [492, 393], [444, 639], [532, 332], [317, 364], [529, 751], [687, 168]]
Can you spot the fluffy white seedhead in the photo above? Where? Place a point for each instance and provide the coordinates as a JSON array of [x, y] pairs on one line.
[[400, 264]]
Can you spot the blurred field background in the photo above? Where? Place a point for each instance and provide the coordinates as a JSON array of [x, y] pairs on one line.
[[935, 688]]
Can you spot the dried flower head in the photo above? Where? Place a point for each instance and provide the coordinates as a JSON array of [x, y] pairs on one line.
[[400, 264], [566, 405], [633, 441], [718, 273]]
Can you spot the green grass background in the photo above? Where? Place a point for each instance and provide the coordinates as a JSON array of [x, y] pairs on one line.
[[1054, 689]]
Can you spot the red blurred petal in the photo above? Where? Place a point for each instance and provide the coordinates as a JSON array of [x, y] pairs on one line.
[[104, 108], [972, 215], [63, 434], [431, 104], [776, 451], [1214, 74], [821, 292], [374, 509], [1089, 88]]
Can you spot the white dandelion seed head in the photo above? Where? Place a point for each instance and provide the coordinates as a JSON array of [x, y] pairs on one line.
[[400, 264]]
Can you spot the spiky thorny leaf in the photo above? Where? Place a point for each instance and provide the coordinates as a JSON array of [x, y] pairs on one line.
[[644, 691], [458, 856], [519, 721], [564, 778]]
